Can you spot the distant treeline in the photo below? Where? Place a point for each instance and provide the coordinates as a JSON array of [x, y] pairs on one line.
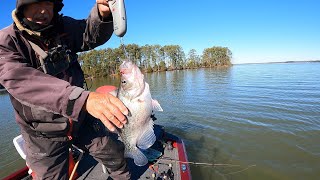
[[151, 58]]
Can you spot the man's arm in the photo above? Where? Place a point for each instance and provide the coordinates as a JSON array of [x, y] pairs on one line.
[[32, 87], [38, 90], [91, 32]]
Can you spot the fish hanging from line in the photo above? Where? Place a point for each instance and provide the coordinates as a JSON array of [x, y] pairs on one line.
[[137, 135]]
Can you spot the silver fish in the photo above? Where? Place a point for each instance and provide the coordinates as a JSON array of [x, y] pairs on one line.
[[138, 133]]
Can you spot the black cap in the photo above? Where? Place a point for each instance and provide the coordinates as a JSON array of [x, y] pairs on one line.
[[21, 3]]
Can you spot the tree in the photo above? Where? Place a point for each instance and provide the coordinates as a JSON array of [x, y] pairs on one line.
[[175, 55], [216, 56], [146, 56], [193, 59], [134, 52], [98, 63]]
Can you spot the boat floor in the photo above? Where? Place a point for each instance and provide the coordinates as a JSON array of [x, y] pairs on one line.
[[91, 169], [165, 167]]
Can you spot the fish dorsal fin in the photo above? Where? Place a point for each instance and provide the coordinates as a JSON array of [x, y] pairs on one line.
[[156, 106], [139, 158], [147, 138]]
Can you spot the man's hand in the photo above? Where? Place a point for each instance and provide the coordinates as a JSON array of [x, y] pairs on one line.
[[103, 7], [109, 109]]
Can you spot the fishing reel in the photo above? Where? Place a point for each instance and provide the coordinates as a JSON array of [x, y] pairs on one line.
[[165, 175]]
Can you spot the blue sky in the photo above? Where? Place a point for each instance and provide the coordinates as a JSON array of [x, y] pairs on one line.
[[255, 31]]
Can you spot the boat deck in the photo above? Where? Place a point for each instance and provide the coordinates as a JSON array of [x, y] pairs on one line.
[[168, 166], [91, 169]]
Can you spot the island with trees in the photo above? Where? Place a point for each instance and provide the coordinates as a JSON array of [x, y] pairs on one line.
[[152, 58]]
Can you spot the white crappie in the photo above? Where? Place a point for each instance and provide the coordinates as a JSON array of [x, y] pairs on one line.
[[135, 94]]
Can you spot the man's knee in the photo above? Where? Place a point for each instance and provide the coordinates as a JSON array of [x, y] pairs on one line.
[[111, 154], [47, 159]]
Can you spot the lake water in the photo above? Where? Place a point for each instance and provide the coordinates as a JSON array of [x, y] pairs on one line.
[[263, 119]]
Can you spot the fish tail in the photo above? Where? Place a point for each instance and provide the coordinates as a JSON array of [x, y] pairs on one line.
[[139, 158]]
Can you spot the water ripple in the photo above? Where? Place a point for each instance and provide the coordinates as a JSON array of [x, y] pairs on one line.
[[262, 114]]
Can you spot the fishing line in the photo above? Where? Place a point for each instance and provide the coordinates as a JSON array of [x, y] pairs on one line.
[[124, 48], [240, 170], [199, 163], [8, 164], [305, 150], [209, 164]]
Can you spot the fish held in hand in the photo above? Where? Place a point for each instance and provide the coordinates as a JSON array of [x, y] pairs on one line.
[[137, 134]]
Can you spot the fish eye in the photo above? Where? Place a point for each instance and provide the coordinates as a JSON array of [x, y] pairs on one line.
[[123, 82]]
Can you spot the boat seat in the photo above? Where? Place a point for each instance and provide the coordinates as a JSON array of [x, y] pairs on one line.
[[18, 143]]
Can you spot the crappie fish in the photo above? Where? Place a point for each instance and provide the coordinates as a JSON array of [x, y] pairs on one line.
[[138, 133]]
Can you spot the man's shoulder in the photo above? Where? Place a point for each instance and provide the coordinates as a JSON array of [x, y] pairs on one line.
[[71, 25], [70, 20], [7, 32], [8, 28]]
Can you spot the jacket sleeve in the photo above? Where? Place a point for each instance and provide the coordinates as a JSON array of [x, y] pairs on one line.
[[34, 88], [89, 33]]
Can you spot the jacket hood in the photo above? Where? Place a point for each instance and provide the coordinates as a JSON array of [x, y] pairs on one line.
[[20, 4], [46, 31], [21, 27]]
